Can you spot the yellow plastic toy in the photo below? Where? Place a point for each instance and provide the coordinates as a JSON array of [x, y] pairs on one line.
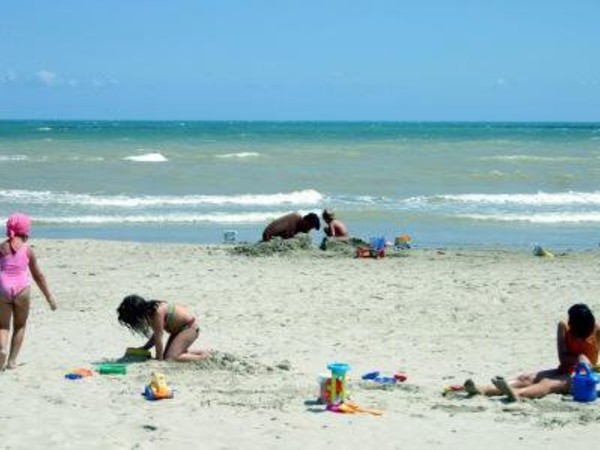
[[158, 388]]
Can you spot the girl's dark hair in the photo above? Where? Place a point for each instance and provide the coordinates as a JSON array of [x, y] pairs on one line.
[[135, 312], [581, 321]]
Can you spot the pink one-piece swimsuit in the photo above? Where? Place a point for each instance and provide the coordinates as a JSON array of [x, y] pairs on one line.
[[14, 273]]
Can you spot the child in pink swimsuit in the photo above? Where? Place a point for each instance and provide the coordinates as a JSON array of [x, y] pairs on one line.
[[17, 263]]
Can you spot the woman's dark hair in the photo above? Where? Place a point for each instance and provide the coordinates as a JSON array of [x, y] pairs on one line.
[[136, 313], [581, 321]]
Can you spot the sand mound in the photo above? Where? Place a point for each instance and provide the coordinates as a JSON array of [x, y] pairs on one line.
[[277, 245]]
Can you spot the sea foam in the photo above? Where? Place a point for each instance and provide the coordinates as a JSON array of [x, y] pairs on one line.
[[147, 157], [539, 218], [531, 158], [306, 197], [216, 217], [11, 158], [539, 198], [239, 155]]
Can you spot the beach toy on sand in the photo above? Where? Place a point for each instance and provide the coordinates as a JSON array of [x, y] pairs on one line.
[[584, 384], [377, 377], [353, 408], [402, 241], [370, 375], [158, 388], [377, 245], [452, 389], [78, 373], [400, 377], [112, 369], [363, 252], [539, 251], [325, 389], [337, 384], [135, 352]]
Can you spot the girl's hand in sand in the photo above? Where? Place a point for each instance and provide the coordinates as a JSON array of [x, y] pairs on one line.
[[52, 304]]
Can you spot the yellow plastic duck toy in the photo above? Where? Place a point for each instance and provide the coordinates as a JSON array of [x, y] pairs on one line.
[[158, 388]]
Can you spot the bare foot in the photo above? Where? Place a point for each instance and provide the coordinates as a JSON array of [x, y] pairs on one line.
[[11, 365], [2, 360], [505, 388], [470, 387]]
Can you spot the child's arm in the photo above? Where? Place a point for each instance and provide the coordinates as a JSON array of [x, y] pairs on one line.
[[566, 358], [157, 336], [40, 280], [148, 345]]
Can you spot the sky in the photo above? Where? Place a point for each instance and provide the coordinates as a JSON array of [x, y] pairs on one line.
[[397, 60]]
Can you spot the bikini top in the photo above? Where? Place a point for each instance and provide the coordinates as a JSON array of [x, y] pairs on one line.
[[170, 316]]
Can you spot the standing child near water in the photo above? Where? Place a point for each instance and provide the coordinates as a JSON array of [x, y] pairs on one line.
[[153, 317], [17, 263]]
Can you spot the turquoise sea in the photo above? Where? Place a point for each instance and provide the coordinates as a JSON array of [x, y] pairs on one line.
[[445, 184]]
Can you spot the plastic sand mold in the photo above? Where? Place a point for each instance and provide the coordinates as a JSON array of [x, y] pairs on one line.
[[112, 369], [353, 408], [78, 373]]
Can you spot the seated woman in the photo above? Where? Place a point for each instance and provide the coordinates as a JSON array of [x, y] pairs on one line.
[[577, 341]]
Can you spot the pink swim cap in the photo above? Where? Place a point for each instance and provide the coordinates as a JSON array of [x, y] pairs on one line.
[[18, 224]]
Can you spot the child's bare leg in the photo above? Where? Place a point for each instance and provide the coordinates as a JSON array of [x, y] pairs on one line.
[[179, 347], [492, 390], [5, 316], [506, 389], [197, 355], [541, 389], [20, 314], [472, 389]]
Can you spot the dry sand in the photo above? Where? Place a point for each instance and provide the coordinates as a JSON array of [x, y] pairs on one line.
[[275, 322]]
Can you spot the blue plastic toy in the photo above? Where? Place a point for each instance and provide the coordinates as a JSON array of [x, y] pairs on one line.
[[371, 375], [584, 384], [377, 243]]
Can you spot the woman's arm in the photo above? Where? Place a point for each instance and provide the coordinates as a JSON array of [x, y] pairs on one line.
[[40, 280]]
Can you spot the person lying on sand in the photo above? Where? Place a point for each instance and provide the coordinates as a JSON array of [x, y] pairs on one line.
[[288, 226], [577, 341], [153, 317]]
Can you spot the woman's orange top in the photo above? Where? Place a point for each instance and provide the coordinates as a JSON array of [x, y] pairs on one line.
[[576, 346]]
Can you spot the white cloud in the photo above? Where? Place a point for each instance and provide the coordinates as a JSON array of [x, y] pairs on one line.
[[51, 79], [8, 76], [46, 77]]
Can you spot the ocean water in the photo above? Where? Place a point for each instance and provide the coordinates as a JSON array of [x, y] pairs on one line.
[[445, 184]]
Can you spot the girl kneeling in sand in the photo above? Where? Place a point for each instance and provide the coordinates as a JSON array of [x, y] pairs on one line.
[[577, 341], [152, 317]]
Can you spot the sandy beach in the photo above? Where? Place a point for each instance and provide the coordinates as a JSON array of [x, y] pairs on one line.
[[440, 316]]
